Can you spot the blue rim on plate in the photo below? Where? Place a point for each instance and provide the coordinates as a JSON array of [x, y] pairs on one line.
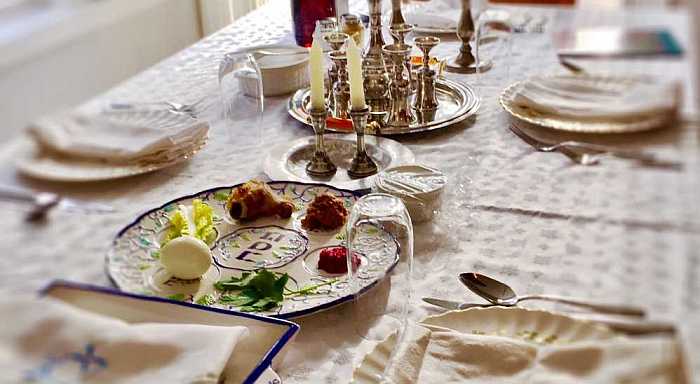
[[290, 309], [265, 362]]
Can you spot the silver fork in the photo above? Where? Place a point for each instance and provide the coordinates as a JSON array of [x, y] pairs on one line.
[[190, 109], [43, 202], [575, 156], [599, 151]]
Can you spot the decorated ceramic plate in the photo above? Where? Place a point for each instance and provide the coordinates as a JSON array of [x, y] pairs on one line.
[[534, 326], [280, 246], [562, 123], [262, 350]]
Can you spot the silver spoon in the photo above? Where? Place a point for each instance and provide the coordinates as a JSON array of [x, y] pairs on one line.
[[499, 293]]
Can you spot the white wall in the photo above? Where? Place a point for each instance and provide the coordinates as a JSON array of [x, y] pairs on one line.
[[105, 43]]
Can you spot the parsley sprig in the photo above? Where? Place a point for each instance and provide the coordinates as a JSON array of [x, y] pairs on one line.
[[261, 290]]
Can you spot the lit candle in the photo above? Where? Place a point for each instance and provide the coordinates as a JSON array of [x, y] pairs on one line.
[[317, 88], [357, 91]]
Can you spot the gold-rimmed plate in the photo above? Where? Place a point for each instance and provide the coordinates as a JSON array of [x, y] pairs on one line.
[[33, 162], [561, 123]]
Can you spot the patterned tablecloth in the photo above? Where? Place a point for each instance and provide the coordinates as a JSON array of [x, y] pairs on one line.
[[612, 232]]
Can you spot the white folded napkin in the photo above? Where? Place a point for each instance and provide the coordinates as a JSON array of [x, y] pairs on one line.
[[48, 341], [590, 98], [119, 137], [447, 356]]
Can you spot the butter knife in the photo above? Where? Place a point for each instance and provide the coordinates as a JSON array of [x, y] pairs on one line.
[[618, 324]]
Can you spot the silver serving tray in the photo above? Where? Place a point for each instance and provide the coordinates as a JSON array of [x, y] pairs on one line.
[[457, 103]]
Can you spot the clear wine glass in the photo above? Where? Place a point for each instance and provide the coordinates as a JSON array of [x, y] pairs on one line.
[[243, 100], [380, 235]]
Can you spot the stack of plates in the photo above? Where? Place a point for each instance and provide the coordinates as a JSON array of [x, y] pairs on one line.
[[39, 158]]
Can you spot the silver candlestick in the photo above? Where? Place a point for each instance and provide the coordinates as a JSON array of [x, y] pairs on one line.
[[396, 14], [373, 54], [400, 116], [399, 32], [362, 165], [465, 62], [426, 98], [341, 88], [320, 164]]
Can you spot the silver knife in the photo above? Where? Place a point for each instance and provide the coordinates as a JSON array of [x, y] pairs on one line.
[[454, 305], [619, 324]]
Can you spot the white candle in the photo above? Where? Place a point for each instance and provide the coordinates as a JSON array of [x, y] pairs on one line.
[[316, 76], [357, 91]]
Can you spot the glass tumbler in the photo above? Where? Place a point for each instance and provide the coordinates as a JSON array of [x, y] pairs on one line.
[[379, 240], [242, 99]]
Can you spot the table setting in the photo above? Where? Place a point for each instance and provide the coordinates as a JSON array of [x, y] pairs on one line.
[[410, 192]]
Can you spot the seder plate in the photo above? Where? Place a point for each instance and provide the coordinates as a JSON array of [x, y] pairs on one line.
[[562, 123], [279, 245], [288, 161], [457, 102]]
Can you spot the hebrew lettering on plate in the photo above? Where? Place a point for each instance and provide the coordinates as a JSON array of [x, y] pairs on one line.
[[252, 248]]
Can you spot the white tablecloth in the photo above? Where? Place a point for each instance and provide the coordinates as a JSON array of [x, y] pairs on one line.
[[611, 232]]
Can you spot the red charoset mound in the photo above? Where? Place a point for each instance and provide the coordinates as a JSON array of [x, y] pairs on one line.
[[334, 260]]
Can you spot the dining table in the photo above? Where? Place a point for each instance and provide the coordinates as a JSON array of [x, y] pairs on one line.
[[615, 232]]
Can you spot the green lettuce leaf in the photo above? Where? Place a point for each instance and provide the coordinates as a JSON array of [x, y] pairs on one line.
[[203, 216], [178, 225]]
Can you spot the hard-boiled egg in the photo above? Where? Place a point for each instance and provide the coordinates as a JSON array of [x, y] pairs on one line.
[[186, 257]]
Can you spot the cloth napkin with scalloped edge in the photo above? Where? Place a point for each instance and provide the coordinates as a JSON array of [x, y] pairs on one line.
[[440, 355], [119, 137], [48, 341], [591, 98]]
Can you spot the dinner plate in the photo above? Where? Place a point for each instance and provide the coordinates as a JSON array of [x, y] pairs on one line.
[[254, 360], [278, 245], [534, 326], [583, 126], [288, 161]]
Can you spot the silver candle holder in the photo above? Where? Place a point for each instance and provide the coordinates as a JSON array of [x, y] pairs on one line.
[[426, 98], [396, 14], [373, 55], [465, 62], [400, 116], [320, 165], [362, 165]]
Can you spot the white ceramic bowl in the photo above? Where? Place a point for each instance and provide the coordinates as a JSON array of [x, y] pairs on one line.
[[281, 74], [419, 187]]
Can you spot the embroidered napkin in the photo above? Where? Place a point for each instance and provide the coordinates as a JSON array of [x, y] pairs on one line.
[[590, 98], [48, 341], [119, 137], [446, 356]]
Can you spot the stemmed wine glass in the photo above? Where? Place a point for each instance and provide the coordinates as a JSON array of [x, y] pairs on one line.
[[379, 234]]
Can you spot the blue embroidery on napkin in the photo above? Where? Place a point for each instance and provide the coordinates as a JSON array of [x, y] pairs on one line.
[[88, 362]]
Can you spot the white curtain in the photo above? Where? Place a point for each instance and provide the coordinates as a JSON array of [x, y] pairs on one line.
[[216, 14]]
